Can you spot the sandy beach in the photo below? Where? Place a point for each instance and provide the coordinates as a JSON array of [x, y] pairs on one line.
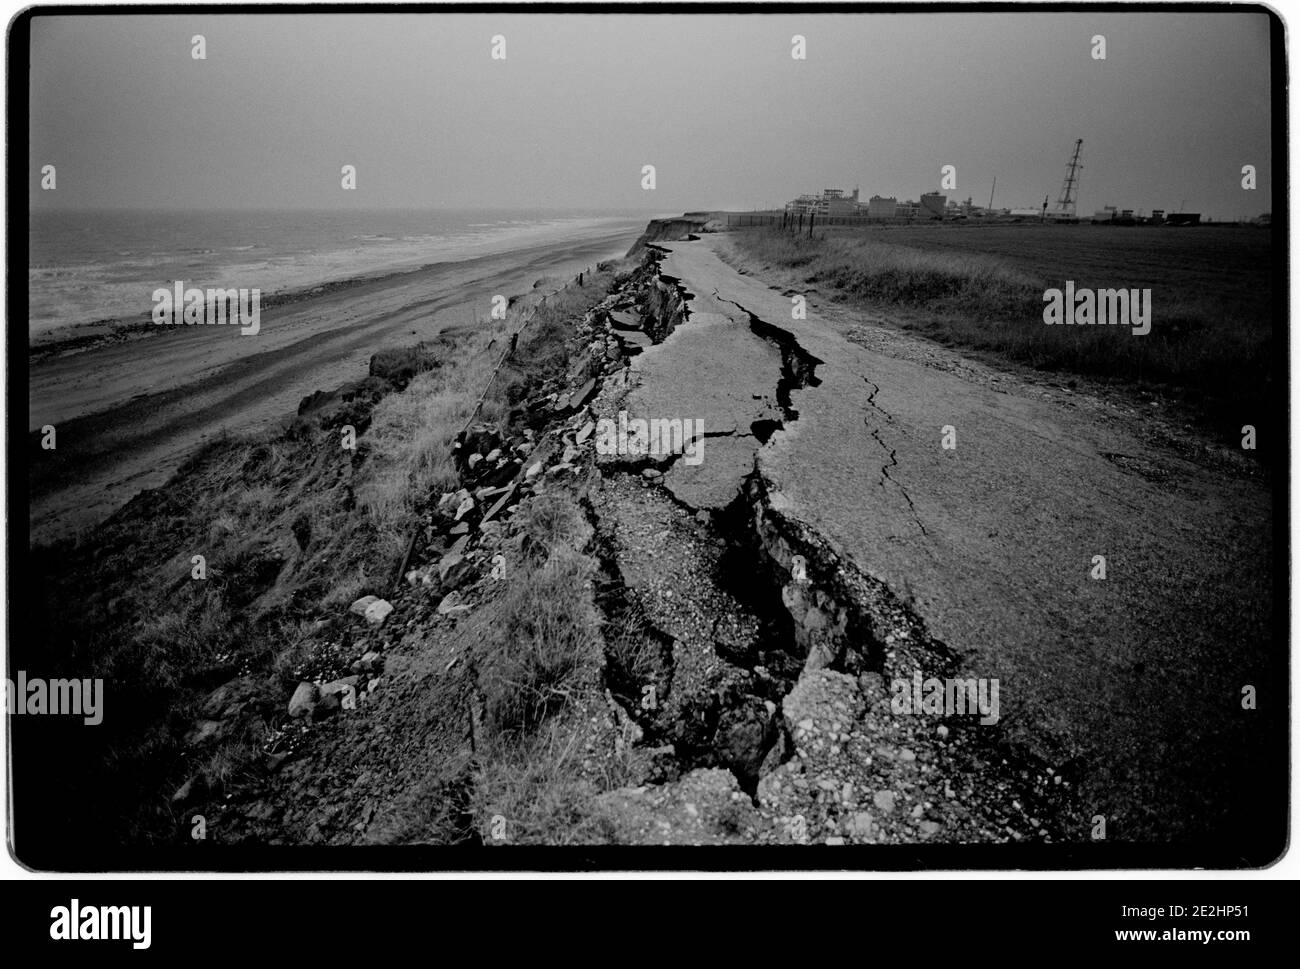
[[128, 413]]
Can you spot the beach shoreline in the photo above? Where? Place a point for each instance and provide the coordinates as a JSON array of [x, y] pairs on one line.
[[46, 339], [128, 411]]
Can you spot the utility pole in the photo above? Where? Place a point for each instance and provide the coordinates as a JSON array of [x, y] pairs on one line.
[[1070, 187], [991, 191]]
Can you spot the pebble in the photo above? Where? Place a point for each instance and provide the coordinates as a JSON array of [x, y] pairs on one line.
[[450, 603], [340, 685], [203, 731], [361, 605], [303, 700], [378, 611], [884, 800]]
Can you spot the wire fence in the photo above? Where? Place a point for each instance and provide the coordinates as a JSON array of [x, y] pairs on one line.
[[802, 220], [510, 350]]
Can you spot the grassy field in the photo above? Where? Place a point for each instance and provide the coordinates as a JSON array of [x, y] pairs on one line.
[[981, 287]]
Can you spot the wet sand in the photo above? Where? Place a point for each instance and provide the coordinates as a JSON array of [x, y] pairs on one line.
[[128, 413]]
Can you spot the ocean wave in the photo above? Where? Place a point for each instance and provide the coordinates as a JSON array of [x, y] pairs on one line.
[[94, 280]]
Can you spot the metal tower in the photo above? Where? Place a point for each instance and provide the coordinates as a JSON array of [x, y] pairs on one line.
[[1065, 205]]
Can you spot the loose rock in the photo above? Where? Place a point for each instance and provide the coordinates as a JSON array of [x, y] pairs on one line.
[[304, 699], [378, 611]]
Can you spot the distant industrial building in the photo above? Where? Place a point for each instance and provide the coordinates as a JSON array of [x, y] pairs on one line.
[[1112, 215], [831, 202], [933, 205], [836, 203], [882, 208]]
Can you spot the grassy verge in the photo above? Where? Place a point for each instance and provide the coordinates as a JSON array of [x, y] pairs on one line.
[[538, 673], [1214, 354]]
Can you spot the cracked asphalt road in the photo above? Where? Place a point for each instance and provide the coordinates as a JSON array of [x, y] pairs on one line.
[[1132, 684]]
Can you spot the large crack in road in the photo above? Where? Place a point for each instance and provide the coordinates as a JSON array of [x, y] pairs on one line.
[[754, 645]]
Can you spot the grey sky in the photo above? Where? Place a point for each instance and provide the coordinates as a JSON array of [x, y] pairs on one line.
[[582, 102]]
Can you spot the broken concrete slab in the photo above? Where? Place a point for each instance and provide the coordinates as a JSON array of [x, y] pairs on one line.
[[991, 544]]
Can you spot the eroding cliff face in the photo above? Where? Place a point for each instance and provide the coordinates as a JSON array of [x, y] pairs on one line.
[[669, 230]]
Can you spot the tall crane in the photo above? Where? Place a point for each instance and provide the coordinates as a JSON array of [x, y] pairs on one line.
[[1065, 205]]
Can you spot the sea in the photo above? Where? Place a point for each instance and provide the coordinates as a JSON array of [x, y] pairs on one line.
[[97, 266]]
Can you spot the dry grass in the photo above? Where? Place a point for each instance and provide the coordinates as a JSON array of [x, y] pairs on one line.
[[291, 525], [409, 441], [539, 788], [539, 674], [1210, 347], [546, 639]]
